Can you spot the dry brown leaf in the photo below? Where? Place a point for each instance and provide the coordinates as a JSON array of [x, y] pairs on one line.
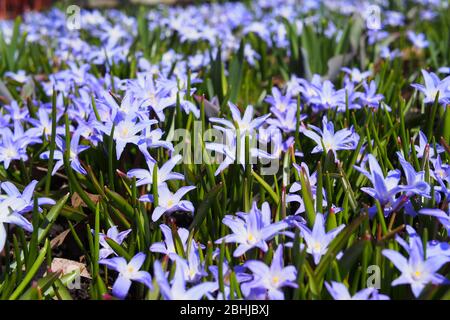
[[59, 239], [67, 266], [77, 201]]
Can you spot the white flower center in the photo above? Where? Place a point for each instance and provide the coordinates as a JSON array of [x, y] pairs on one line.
[[440, 173], [328, 145], [152, 98], [433, 93], [357, 77], [417, 275], [311, 92], [11, 153], [129, 272], [170, 203], [243, 126], [282, 106], [251, 238], [317, 247], [275, 281], [124, 132]]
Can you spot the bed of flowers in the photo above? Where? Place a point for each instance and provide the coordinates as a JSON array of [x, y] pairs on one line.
[[257, 150]]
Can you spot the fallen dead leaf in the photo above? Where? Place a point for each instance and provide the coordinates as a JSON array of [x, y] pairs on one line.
[[59, 239], [66, 266], [77, 201]]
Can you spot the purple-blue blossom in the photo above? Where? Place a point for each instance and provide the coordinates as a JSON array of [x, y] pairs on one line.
[[177, 290], [271, 278], [252, 229], [169, 202], [317, 240], [127, 272], [417, 270], [112, 234], [385, 187], [339, 291], [9, 216], [327, 139], [434, 86]]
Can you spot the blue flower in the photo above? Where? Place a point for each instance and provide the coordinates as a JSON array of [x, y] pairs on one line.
[[167, 247], [327, 97], [317, 239], [270, 279], [127, 272], [394, 18], [280, 102], [245, 124], [10, 216], [424, 146], [113, 234], [128, 109], [152, 139], [340, 292], [388, 54], [438, 248], [286, 121], [12, 147], [356, 75], [441, 170], [433, 86], [418, 40], [147, 94], [192, 267], [16, 112], [20, 76], [24, 201], [145, 177], [415, 180], [375, 36], [417, 270], [75, 150], [178, 289], [442, 216], [251, 229], [344, 139], [384, 188], [370, 97], [308, 90], [169, 202], [125, 131], [43, 126]]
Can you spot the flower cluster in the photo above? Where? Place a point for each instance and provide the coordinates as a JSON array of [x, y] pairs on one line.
[[227, 151]]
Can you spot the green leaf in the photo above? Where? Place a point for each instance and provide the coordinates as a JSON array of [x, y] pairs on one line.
[[31, 273], [119, 202], [205, 205], [42, 285], [266, 187], [350, 257], [307, 198], [236, 72], [51, 217], [118, 249]]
